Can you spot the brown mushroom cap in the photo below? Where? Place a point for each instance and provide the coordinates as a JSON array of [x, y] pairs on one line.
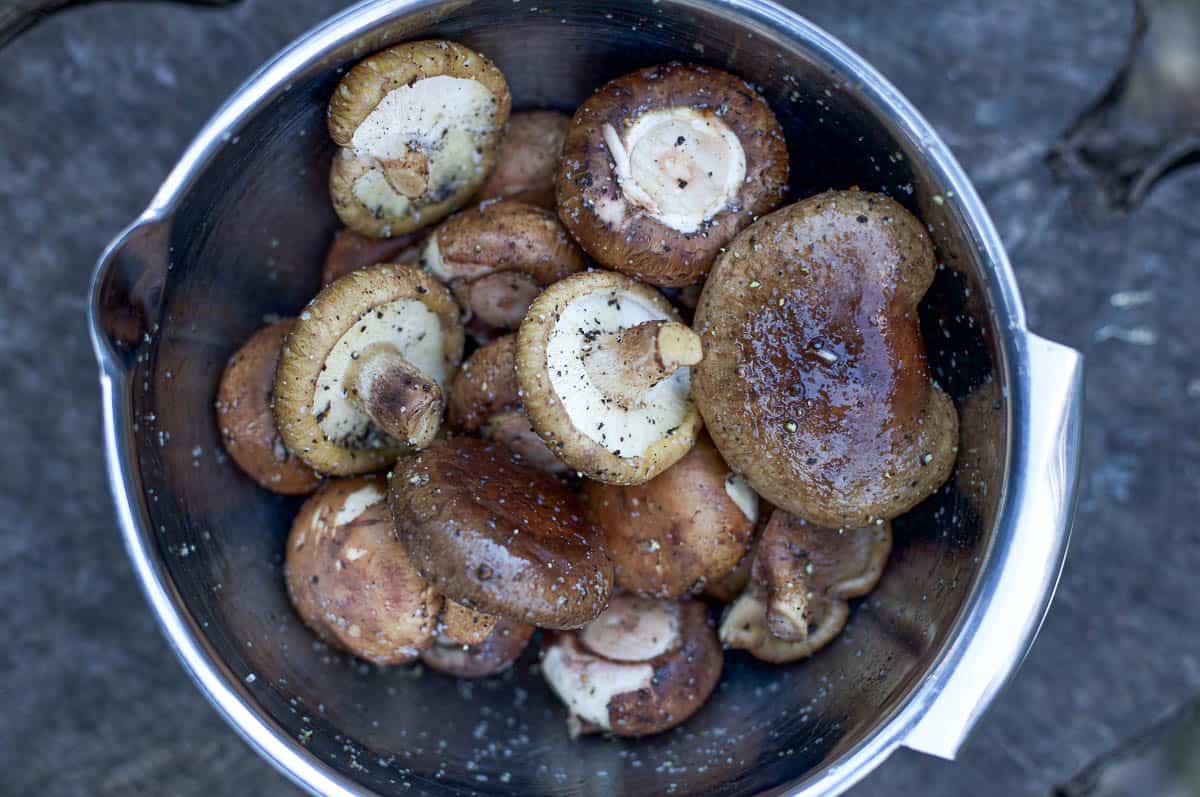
[[528, 159], [484, 398], [642, 667], [802, 577], [351, 251], [349, 579], [419, 125], [814, 383], [728, 587], [689, 524], [495, 654], [497, 255], [598, 382], [649, 178], [384, 312], [245, 419], [498, 536]]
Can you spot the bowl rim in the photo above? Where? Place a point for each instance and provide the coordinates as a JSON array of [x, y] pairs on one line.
[[230, 695]]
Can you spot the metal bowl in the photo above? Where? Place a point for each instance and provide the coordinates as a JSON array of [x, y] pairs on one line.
[[237, 233]]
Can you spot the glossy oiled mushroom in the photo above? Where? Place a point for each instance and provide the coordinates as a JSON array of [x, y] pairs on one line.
[[662, 167], [603, 364], [484, 399], [497, 256], [494, 654], [361, 375], [814, 383], [498, 536], [641, 667], [351, 251], [528, 159], [419, 125], [247, 424], [690, 524], [351, 582], [802, 576]]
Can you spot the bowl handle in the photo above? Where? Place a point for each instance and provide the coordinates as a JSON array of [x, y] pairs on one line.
[[1022, 570], [17, 16], [127, 292]]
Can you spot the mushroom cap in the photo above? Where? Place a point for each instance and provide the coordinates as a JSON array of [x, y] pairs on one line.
[[495, 654], [451, 101], [814, 383], [384, 303], [528, 159], [498, 536], [802, 577], [351, 251], [600, 439], [670, 536], [622, 235], [642, 667], [486, 385], [351, 582], [502, 235], [247, 424]]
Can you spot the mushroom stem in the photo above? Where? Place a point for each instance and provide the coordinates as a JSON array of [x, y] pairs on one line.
[[401, 400], [624, 365], [408, 175]]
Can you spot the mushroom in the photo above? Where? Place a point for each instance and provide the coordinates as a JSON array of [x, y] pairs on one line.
[[728, 587], [528, 159], [419, 126], [604, 369], [688, 525], [498, 536], [351, 251], [244, 416], [494, 654], [484, 398], [497, 256], [802, 576], [642, 667], [662, 167], [361, 375], [349, 579], [814, 383]]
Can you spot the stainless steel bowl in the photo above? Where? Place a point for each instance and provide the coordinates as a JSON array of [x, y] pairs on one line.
[[237, 232]]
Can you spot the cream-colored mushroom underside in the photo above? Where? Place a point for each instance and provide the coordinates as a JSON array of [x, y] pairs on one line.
[[740, 492], [680, 166], [443, 117], [407, 324], [633, 629], [587, 683], [626, 433]]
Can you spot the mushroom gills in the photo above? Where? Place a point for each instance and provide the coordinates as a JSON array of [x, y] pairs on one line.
[[742, 494], [388, 363], [629, 429], [422, 137], [680, 165]]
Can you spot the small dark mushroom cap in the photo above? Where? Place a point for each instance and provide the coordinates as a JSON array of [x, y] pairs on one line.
[[498, 536], [351, 582], [351, 251], [485, 386], [528, 159], [334, 312], [247, 424], [362, 90], [814, 383], [666, 689], [670, 536], [495, 654], [618, 234]]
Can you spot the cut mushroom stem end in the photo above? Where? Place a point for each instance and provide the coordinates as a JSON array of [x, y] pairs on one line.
[[625, 365], [400, 399]]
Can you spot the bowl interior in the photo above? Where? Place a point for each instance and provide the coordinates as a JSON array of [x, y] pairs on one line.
[[245, 244]]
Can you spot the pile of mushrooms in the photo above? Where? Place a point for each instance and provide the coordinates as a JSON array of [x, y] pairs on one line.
[[596, 467]]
